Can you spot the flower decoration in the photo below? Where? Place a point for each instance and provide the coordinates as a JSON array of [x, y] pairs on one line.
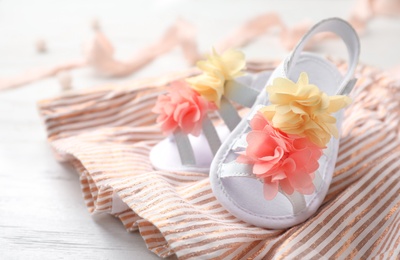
[[217, 69], [181, 108], [302, 109], [187, 102], [287, 137], [279, 159]]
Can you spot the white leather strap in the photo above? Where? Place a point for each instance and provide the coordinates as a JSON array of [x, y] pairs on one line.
[[229, 114], [184, 148], [211, 135], [240, 93], [296, 199], [347, 33], [235, 169]]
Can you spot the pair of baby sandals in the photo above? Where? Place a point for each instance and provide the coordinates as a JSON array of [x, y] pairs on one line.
[[272, 167]]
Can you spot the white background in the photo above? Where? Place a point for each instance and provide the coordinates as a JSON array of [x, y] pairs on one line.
[[42, 213]]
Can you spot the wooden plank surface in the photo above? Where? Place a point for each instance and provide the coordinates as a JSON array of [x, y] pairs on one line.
[[42, 213]]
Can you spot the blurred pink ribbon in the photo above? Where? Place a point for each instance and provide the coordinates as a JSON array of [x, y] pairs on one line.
[[99, 53]]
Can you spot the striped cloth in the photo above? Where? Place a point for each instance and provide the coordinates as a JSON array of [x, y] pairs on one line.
[[106, 134]]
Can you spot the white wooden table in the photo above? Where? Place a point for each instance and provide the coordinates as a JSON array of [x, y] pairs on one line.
[[42, 213]]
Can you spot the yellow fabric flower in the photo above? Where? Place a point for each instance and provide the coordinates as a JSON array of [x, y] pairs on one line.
[[302, 109], [217, 69]]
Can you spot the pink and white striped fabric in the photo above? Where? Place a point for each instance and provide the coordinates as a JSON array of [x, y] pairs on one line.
[[106, 134]]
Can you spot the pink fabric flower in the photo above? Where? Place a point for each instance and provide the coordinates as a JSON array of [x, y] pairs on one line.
[[182, 108], [279, 159]]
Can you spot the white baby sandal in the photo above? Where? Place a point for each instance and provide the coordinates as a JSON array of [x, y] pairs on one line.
[[275, 168], [185, 112]]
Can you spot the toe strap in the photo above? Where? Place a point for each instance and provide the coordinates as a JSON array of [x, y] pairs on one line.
[[296, 199], [235, 169]]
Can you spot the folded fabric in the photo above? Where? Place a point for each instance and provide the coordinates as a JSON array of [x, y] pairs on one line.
[[107, 133]]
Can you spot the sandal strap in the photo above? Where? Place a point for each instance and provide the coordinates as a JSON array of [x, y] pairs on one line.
[[184, 145], [211, 135], [185, 148], [297, 201], [228, 113], [235, 169], [240, 93], [235, 91], [349, 36]]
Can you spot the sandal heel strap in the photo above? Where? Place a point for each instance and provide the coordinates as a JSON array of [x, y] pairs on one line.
[[349, 36]]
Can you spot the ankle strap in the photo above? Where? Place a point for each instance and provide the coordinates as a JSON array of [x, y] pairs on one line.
[[347, 33]]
